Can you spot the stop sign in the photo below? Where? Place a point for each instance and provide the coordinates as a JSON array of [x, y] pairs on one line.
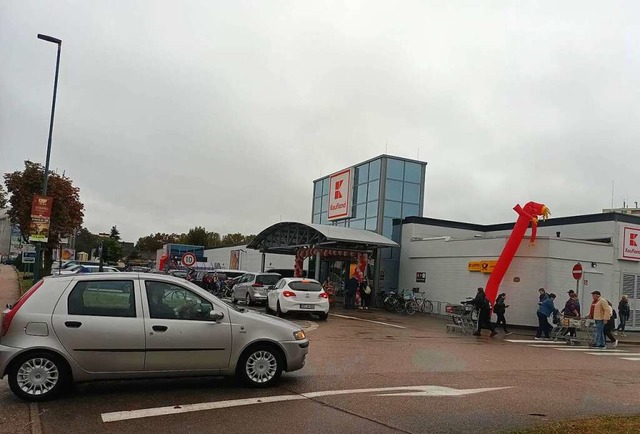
[[577, 271]]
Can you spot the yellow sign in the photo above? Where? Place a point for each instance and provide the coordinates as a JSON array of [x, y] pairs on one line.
[[482, 266], [475, 266]]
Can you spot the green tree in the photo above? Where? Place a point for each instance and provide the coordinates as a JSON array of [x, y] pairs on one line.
[[233, 239], [114, 234], [151, 243], [111, 250], [197, 236], [3, 197], [66, 213], [86, 241]]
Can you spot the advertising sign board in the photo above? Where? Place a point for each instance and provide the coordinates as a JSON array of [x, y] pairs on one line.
[[40, 217], [629, 246], [340, 189]]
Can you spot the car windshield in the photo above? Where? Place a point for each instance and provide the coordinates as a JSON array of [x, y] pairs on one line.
[[305, 286], [74, 268], [268, 279]]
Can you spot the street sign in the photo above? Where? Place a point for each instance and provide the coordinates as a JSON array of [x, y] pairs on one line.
[[28, 257], [188, 259], [577, 271]]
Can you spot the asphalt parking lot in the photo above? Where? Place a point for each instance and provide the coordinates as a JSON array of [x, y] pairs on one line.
[[369, 372]]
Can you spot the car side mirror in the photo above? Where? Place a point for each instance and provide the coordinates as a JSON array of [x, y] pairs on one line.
[[216, 316]]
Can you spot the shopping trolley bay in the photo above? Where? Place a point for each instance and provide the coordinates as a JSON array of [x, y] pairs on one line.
[[377, 371]]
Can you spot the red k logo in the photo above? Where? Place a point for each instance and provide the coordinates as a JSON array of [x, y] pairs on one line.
[[632, 239], [338, 194]]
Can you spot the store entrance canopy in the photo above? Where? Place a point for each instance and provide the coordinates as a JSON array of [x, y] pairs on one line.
[[287, 237]]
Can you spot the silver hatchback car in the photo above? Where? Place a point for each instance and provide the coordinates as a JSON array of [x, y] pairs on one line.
[[111, 326]]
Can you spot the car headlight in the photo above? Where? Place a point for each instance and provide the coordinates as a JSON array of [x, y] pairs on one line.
[[299, 335]]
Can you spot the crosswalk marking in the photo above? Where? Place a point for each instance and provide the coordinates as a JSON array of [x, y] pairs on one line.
[[529, 341], [608, 350], [555, 345], [633, 359]]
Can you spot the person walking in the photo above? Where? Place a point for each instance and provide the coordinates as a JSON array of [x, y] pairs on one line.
[[600, 312], [545, 309], [484, 313], [610, 325], [365, 294], [623, 314], [572, 310], [350, 293], [500, 309]]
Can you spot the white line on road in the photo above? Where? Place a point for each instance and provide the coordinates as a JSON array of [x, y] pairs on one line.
[[608, 350], [529, 341], [368, 320], [604, 353], [633, 359], [177, 409], [549, 346]]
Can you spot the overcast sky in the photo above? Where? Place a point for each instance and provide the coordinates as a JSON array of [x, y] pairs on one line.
[[222, 113]]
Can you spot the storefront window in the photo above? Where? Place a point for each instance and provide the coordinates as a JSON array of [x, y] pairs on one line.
[[325, 203], [317, 204], [317, 189], [374, 170], [409, 210], [325, 186], [395, 169], [372, 209], [324, 219], [374, 189], [361, 193], [411, 193], [371, 224], [394, 190], [412, 172], [357, 224], [392, 209], [316, 218], [387, 227], [361, 211], [362, 174]]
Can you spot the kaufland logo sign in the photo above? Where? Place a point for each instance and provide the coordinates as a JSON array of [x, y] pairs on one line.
[[630, 239], [340, 187]]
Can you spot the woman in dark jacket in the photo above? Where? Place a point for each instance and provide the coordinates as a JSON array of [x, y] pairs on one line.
[[484, 315], [500, 309], [623, 311]]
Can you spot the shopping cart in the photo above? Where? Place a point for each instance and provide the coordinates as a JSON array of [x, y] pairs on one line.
[[464, 317], [585, 330]]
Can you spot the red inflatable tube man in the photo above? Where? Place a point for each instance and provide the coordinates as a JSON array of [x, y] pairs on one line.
[[527, 214]]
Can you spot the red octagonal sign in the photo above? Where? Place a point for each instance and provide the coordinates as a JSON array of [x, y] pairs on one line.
[[577, 271]]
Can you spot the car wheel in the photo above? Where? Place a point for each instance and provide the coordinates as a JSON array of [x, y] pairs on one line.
[[38, 376], [260, 366], [279, 311], [247, 300], [324, 316]]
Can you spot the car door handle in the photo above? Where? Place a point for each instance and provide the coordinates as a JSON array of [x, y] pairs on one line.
[[73, 324], [160, 328]]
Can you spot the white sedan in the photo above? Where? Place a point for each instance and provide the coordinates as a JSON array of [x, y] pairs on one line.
[[298, 295]]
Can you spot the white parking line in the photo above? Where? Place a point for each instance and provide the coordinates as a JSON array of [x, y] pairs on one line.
[[368, 320], [549, 346], [531, 341], [633, 359], [604, 353], [608, 350]]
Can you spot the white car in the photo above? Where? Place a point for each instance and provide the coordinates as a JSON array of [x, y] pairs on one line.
[[81, 269], [294, 294]]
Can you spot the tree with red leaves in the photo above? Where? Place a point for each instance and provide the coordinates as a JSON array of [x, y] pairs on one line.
[[67, 211]]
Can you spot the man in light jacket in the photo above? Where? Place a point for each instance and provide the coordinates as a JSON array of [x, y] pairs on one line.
[[601, 312]]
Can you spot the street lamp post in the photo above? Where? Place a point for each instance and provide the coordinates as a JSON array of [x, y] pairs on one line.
[[45, 178]]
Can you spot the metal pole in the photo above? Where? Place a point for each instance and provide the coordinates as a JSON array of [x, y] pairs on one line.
[[317, 270], [45, 178]]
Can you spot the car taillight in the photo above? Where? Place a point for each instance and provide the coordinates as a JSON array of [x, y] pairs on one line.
[[257, 285], [8, 317], [324, 295], [288, 294]]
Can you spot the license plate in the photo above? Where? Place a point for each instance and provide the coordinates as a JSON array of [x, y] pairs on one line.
[[307, 306]]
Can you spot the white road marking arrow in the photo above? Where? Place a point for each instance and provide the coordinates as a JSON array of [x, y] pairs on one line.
[[442, 391], [188, 408]]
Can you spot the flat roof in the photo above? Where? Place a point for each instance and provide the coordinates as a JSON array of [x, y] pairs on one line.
[[394, 157]]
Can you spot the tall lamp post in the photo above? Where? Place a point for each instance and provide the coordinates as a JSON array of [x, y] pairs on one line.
[[45, 178]]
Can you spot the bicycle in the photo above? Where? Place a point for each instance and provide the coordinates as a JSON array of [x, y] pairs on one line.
[[393, 302], [378, 301], [418, 303]]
